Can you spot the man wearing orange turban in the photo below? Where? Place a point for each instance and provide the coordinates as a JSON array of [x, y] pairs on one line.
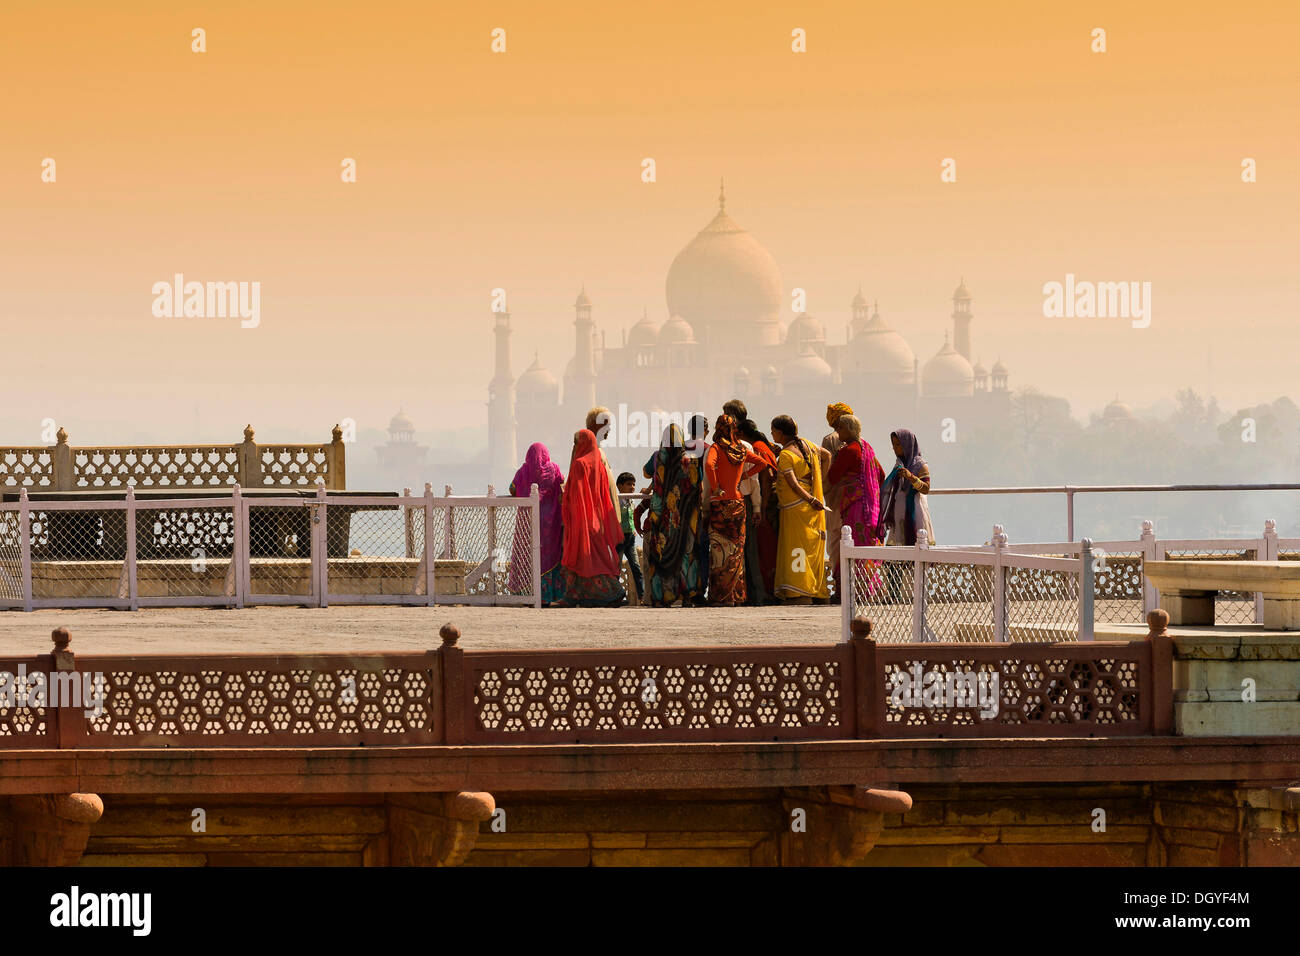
[[833, 444]]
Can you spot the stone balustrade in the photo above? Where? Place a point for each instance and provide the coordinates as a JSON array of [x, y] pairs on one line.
[[64, 467]]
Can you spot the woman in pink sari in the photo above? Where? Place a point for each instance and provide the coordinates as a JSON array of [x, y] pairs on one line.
[[539, 470], [854, 479]]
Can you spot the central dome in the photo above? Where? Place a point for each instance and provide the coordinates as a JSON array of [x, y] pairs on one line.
[[727, 286]]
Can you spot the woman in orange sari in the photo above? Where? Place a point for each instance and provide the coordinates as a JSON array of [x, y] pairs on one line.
[[725, 464], [592, 531]]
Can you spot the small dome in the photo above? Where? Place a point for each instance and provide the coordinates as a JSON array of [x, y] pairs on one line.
[[770, 373], [948, 374], [677, 331], [879, 351], [961, 292], [980, 370], [536, 381], [400, 423], [808, 369], [644, 333], [803, 329], [1117, 411], [582, 299], [999, 368], [858, 301]]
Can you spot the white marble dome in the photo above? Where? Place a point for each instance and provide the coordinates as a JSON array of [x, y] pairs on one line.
[[948, 374], [726, 283]]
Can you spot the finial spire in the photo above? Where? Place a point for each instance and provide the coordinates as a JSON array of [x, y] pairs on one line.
[[722, 195]]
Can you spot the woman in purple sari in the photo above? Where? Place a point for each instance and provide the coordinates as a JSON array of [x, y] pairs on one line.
[[854, 479], [539, 470]]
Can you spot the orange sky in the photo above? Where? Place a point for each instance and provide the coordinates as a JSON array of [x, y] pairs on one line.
[[522, 170]]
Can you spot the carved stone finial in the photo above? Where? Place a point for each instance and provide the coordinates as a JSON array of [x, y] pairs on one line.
[[450, 634], [248, 432], [337, 434], [428, 487], [61, 435], [860, 627], [61, 638], [1148, 526], [1270, 526], [1158, 623]]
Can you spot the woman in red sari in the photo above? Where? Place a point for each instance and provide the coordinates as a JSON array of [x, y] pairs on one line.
[[854, 479], [727, 462], [592, 531]]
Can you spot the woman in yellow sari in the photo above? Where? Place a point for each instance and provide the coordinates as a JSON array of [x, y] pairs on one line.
[[801, 543]]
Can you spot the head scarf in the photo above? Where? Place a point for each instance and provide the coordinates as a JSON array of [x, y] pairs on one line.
[[539, 470], [725, 437], [591, 527], [833, 412], [911, 460]]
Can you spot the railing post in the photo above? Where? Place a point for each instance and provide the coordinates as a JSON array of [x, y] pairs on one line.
[[1150, 598], [918, 587], [132, 585], [1270, 554], [867, 681], [430, 577], [494, 558], [449, 528], [1161, 648], [408, 517], [338, 467], [65, 463], [239, 552], [1069, 514], [848, 603], [453, 685], [69, 722], [25, 545], [535, 546], [1000, 635], [320, 559], [1086, 589], [250, 463]]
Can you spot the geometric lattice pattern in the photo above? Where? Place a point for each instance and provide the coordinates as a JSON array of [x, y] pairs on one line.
[[1117, 580], [336, 703], [882, 592], [958, 602], [784, 695], [21, 726], [27, 468], [170, 467], [296, 466], [1071, 693], [1042, 605]]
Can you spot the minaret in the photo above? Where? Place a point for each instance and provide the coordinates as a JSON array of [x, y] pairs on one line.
[[584, 359], [961, 319], [501, 406]]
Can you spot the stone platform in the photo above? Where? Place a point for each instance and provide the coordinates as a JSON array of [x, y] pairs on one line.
[[379, 628]]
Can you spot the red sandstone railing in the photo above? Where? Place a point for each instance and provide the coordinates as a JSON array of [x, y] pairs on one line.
[[854, 690]]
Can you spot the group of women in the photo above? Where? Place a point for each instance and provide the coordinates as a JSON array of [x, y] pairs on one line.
[[738, 519]]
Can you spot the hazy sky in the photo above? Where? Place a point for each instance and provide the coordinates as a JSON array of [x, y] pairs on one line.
[[522, 170]]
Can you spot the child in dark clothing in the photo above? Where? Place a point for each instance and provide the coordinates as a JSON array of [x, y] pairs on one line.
[[626, 486]]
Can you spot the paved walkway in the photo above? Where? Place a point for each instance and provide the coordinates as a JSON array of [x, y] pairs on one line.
[[349, 628]]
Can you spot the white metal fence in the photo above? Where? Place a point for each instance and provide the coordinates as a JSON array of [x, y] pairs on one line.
[[239, 549], [957, 585], [920, 594]]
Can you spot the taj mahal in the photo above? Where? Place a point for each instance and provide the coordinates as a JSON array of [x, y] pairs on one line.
[[723, 338]]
